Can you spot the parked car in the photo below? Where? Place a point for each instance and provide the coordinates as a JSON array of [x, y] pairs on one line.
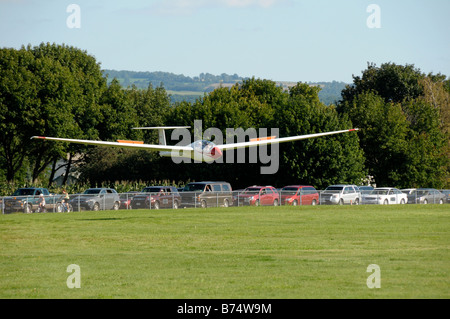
[[27, 200], [96, 199], [207, 194], [408, 191], [156, 197], [365, 189], [299, 195], [256, 196], [446, 193], [125, 199], [426, 196], [385, 196], [340, 195]]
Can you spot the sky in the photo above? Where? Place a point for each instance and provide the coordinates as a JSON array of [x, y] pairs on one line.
[[279, 40]]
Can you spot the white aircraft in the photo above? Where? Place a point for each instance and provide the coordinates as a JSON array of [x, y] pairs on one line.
[[200, 149]]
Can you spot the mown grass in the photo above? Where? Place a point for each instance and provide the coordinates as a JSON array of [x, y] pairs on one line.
[[245, 252]]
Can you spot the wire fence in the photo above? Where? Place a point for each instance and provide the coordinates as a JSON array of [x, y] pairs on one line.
[[170, 199]]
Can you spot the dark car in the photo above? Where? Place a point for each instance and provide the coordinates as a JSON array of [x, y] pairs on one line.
[[156, 197], [294, 195], [96, 199], [207, 194], [27, 200], [257, 196]]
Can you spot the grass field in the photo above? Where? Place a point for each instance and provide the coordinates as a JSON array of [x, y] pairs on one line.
[[245, 252]]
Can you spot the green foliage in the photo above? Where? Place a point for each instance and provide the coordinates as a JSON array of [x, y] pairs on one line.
[[394, 83], [47, 90], [121, 186], [57, 90], [404, 122], [322, 161], [262, 104], [184, 88], [177, 82]]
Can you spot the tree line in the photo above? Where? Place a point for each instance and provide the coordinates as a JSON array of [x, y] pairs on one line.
[[58, 90], [184, 88]]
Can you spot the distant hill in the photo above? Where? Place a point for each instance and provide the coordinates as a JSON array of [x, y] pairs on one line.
[[185, 88]]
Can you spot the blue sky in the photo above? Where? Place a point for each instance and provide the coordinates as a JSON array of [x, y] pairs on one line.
[[280, 40]]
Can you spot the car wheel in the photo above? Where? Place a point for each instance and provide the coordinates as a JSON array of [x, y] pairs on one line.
[[257, 203], [441, 201], [294, 203], [341, 201], [425, 201], [275, 202], [156, 206], [314, 202], [226, 203], [357, 201], [203, 204], [402, 201], [116, 206], [385, 202], [175, 204], [96, 207]]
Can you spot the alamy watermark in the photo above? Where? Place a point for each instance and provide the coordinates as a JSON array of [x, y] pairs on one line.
[[374, 19], [374, 280], [74, 280], [73, 21], [263, 153]]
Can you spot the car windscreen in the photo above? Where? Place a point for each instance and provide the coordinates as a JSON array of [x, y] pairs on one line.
[[194, 188], [151, 190], [23, 192], [334, 189], [251, 191], [379, 192], [289, 190], [92, 191]]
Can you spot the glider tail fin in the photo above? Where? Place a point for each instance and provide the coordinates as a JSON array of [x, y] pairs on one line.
[[161, 131]]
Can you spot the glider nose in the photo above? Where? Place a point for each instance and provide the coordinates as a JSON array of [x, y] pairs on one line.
[[216, 153]]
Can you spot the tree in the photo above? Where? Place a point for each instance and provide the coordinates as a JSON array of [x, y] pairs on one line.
[[383, 136], [428, 159], [261, 104], [394, 83], [18, 101], [402, 113], [49, 90], [321, 161], [121, 110]]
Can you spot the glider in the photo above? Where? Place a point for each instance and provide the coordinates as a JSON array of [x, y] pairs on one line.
[[200, 149]]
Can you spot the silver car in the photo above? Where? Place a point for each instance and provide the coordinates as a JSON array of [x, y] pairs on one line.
[[426, 196], [340, 195], [96, 199]]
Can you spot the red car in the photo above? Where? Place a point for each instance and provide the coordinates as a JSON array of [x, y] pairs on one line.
[[256, 196], [299, 195]]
